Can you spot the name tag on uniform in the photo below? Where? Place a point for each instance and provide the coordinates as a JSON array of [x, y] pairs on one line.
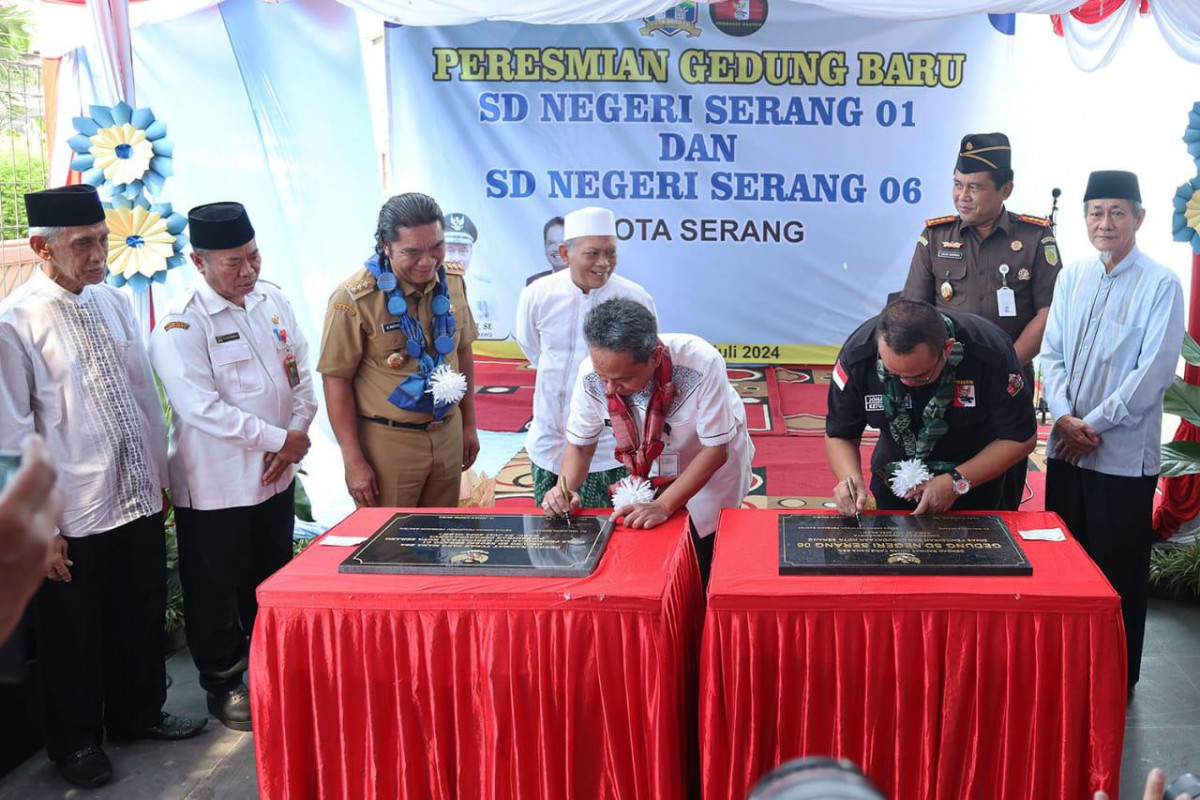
[[388, 327], [955, 254], [1006, 301], [964, 394], [228, 337], [665, 466], [874, 402]]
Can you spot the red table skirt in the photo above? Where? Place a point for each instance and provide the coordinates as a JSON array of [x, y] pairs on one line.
[[432, 687], [938, 687]]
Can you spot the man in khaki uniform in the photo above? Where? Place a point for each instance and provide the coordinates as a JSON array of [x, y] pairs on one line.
[[396, 359], [989, 261]]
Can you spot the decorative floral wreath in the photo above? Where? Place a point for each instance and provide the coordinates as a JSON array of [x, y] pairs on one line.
[[122, 150], [144, 240]]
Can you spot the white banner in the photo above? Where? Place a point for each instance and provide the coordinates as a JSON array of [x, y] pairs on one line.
[[770, 167]]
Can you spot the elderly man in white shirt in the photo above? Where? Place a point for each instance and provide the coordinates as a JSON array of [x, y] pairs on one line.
[[1110, 350], [73, 369], [677, 422], [550, 316], [234, 365]]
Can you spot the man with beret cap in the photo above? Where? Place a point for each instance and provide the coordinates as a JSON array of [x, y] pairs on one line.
[[989, 261], [234, 365], [397, 365], [1111, 346], [73, 369], [550, 316]]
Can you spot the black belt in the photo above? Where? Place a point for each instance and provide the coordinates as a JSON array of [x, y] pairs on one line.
[[411, 426]]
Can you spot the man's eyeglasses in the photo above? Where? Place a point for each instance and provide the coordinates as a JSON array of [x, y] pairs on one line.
[[925, 378]]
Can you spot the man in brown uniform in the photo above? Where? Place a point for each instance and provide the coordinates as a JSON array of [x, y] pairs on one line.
[[989, 261], [397, 366]]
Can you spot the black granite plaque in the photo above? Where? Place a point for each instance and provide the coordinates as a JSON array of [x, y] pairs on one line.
[[483, 544], [898, 544]]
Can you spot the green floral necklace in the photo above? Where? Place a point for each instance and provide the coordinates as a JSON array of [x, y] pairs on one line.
[[934, 427]]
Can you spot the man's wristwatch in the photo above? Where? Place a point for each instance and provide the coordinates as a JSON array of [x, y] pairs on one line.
[[961, 484]]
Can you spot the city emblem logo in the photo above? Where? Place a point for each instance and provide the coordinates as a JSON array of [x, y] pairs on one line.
[[681, 17]]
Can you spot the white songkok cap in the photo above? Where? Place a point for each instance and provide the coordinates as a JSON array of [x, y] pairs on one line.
[[590, 221]]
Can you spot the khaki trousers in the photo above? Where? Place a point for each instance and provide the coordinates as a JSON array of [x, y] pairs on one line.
[[415, 468]]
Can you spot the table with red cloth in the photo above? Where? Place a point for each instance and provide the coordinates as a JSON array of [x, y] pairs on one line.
[[939, 687], [469, 687]]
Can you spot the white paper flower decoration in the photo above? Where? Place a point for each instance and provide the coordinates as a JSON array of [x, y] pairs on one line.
[[631, 490], [121, 150], [908, 476], [144, 241], [447, 386]]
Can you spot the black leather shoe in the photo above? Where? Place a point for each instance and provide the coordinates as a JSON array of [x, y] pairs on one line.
[[169, 729], [232, 707], [86, 768]]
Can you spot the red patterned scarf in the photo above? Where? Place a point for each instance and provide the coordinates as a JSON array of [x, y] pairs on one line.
[[639, 456]]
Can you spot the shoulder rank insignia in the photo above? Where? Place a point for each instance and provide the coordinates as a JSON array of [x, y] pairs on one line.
[[932, 223], [1039, 221], [349, 309], [170, 326], [455, 269], [362, 288]]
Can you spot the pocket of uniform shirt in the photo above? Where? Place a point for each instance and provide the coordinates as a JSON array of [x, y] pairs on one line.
[[234, 368], [1120, 343]]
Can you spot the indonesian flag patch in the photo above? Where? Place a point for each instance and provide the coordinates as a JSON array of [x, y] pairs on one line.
[[839, 376], [1016, 382]]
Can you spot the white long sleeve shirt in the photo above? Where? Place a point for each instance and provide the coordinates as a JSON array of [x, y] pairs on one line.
[[549, 329], [706, 412], [1109, 353], [73, 369], [222, 367]]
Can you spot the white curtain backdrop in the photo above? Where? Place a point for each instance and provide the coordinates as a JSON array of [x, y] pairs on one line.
[[62, 27]]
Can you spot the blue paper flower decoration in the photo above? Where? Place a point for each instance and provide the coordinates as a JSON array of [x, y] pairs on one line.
[[144, 240], [122, 150], [1191, 135], [1185, 223]]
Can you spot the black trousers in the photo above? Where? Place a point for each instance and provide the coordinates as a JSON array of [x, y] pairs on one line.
[[100, 637], [224, 554], [1111, 516], [704, 554], [1014, 486]]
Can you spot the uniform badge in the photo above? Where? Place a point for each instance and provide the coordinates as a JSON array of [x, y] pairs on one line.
[[923, 241], [955, 254], [839, 376], [396, 359], [228, 337], [964, 394], [1052, 255], [1023, 275], [388, 327], [874, 402], [274, 319], [947, 291], [1016, 245], [170, 326], [347, 308], [953, 245], [1016, 382]]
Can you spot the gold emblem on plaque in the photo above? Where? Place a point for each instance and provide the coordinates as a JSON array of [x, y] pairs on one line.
[[903, 558]]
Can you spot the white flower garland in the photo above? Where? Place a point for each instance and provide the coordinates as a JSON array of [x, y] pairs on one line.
[[909, 475], [631, 490], [447, 386]]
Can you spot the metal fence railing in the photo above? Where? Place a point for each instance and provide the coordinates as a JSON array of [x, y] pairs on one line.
[[23, 163]]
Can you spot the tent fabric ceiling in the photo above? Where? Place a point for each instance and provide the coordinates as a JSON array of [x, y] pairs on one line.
[[1093, 30]]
